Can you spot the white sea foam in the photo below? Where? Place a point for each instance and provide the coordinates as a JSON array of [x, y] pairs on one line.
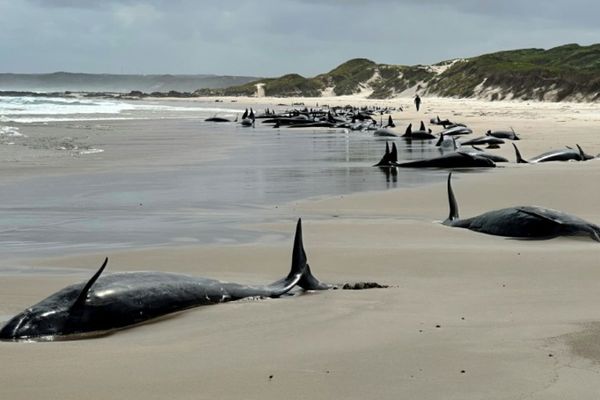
[[91, 151], [30, 109], [10, 131]]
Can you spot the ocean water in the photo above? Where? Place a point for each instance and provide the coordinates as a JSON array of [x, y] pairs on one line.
[[211, 202], [32, 109]]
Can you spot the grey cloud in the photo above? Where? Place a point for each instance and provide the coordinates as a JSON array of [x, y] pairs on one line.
[[274, 37]]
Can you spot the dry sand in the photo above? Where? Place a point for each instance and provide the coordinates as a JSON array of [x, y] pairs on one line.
[[467, 316]]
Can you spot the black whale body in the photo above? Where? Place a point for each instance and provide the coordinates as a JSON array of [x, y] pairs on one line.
[[451, 160], [116, 301], [527, 222], [566, 154]]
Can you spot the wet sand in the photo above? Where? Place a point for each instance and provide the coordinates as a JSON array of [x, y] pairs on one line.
[[467, 316]]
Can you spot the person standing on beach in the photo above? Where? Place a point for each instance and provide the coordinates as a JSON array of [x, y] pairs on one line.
[[417, 101]]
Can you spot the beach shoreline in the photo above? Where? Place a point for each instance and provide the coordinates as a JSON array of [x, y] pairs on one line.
[[467, 315]]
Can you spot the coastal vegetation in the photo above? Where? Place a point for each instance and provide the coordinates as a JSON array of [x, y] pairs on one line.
[[569, 72]]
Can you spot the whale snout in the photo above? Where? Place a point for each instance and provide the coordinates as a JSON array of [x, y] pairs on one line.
[[31, 324], [16, 328]]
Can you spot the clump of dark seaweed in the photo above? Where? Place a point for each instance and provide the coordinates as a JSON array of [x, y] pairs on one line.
[[363, 285]]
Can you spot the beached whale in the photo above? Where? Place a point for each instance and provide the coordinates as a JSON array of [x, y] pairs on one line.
[[217, 119], [108, 303], [482, 153], [510, 135], [445, 142], [526, 222], [438, 121], [457, 130], [457, 159], [492, 142], [384, 132], [421, 134], [566, 154]]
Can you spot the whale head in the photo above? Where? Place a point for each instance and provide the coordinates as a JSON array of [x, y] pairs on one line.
[[36, 323], [57, 315]]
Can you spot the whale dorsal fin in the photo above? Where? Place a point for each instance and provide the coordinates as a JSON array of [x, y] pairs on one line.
[[84, 292], [453, 215], [422, 127], [394, 153]]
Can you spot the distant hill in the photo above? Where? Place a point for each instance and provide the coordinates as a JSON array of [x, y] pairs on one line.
[[569, 72], [66, 81]]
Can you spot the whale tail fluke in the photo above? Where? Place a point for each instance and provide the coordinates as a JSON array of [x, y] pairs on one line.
[[515, 137], [454, 144], [300, 273], [520, 159], [394, 153], [385, 160], [583, 155], [300, 264], [453, 215], [440, 140], [595, 233]]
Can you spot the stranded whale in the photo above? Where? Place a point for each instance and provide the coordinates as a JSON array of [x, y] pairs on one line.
[[527, 222], [456, 159], [107, 303], [566, 154]]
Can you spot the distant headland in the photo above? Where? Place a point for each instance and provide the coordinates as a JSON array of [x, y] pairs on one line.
[[565, 73]]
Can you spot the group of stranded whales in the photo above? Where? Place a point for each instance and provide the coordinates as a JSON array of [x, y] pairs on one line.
[[466, 154], [108, 303], [347, 117]]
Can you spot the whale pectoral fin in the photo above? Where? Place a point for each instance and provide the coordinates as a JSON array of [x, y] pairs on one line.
[[540, 215], [84, 292]]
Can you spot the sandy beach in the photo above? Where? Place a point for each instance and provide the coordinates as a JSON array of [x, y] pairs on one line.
[[466, 316]]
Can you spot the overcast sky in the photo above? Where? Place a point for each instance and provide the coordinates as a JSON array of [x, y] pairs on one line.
[[274, 37]]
